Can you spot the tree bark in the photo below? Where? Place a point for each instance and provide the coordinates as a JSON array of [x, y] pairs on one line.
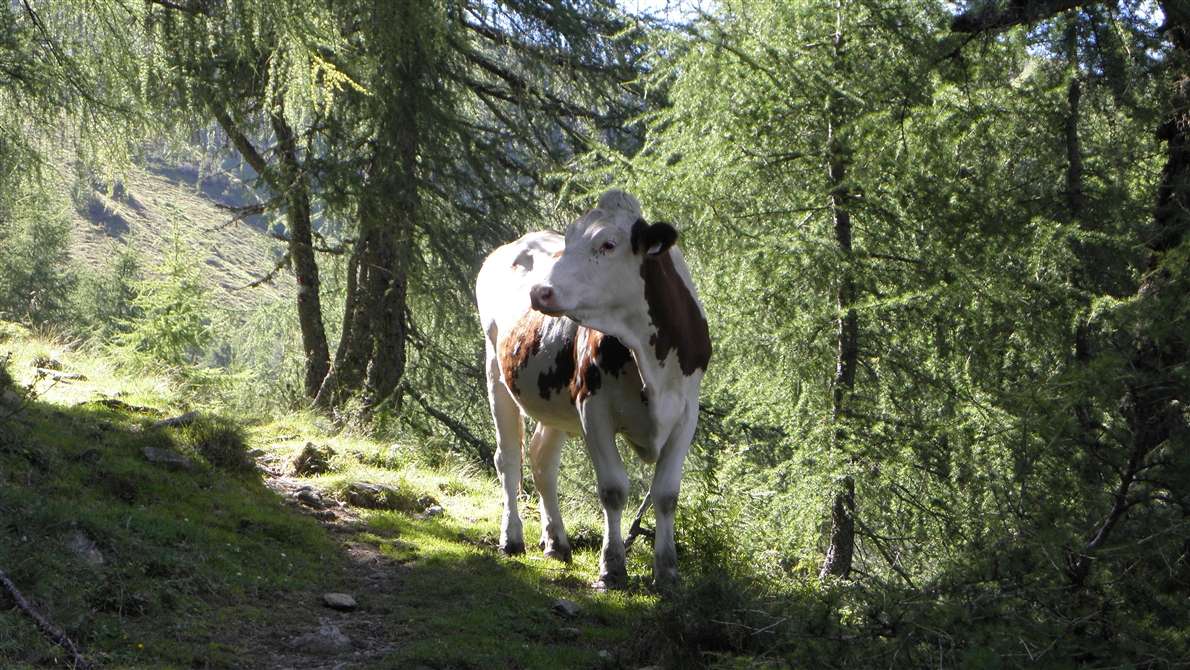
[[842, 537], [295, 188], [290, 182]]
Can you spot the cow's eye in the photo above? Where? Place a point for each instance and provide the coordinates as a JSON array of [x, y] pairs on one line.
[[607, 246]]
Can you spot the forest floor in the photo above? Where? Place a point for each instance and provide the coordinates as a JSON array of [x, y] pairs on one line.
[[200, 546]]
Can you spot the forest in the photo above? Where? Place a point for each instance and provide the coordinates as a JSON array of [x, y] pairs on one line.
[[941, 247]]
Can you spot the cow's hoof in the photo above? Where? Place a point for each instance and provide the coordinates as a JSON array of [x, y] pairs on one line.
[[558, 553], [513, 548], [665, 584], [611, 582]]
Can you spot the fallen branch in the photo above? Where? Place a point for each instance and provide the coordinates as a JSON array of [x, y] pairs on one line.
[[481, 447], [61, 376], [44, 625], [173, 422]]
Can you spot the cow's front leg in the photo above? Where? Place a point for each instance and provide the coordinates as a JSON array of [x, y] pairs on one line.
[[545, 457], [667, 480], [510, 429], [612, 481]]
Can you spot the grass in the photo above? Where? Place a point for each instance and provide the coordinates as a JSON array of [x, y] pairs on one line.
[[214, 567], [157, 205]]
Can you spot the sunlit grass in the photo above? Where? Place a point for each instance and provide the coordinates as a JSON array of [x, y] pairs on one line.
[[205, 565]]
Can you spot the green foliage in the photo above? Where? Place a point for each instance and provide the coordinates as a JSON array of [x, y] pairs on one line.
[[171, 324], [36, 277], [104, 301]]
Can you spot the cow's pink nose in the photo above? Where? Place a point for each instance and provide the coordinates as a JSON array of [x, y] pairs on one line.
[[542, 298]]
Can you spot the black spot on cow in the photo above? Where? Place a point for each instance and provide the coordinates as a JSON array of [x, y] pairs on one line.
[[558, 377], [675, 314]]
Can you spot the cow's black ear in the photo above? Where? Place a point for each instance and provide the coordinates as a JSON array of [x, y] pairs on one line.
[[652, 240]]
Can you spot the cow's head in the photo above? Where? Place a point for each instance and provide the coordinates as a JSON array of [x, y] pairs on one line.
[[597, 280]]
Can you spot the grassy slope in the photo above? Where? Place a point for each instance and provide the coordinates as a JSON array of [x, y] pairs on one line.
[[217, 568], [153, 208]]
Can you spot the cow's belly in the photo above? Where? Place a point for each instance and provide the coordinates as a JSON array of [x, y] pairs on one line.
[[537, 365]]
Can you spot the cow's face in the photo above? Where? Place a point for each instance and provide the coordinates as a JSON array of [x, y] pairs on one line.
[[598, 280]]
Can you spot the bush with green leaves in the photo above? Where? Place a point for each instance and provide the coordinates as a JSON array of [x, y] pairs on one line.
[[105, 300], [36, 275], [171, 326]]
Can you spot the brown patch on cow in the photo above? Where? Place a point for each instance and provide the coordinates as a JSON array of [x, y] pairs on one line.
[[521, 344], [596, 354], [676, 316], [558, 377]]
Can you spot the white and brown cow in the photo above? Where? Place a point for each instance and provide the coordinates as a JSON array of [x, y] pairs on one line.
[[596, 333]]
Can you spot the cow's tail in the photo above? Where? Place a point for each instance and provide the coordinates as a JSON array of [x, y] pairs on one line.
[[634, 530]]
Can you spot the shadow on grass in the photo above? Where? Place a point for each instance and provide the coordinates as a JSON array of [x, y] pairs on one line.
[[199, 563]]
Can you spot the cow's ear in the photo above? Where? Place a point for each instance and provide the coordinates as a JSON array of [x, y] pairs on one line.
[[652, 240]]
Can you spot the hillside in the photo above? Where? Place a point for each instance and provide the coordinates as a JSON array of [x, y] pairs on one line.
[[156, 204], [203, 546]]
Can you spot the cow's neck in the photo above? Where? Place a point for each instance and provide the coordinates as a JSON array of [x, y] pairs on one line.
[[667, 331]]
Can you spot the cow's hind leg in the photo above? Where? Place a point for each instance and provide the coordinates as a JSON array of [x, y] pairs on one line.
[[545, 456], [510, 429]]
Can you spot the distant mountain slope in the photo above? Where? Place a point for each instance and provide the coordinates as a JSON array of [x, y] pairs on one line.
[[155, 206]]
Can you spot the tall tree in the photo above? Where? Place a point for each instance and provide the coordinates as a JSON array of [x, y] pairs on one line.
[[1154, 385], [422, 133]]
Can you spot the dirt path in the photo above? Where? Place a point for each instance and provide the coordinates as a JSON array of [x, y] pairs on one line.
[[305, 635]]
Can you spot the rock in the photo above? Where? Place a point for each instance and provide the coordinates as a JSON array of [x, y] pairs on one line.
[[373, 496], [84, 547], [567, 609], [325, 515], [176, 421], [432, 511], [256, 453], [310, 498], [169, 459], [327, 640], [313, 460], [339, 601], [569, 633]]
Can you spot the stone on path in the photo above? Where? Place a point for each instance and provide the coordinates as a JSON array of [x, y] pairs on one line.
[[339, 601], [327, 640], [567, 609]]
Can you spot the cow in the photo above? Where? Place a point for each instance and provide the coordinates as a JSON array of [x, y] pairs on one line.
[[595, 333]]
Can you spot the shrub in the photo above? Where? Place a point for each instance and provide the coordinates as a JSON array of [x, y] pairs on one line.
[[36, 277], [171, 326], [218, 440]]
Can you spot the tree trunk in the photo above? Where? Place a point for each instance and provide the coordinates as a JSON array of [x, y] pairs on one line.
[[842, 537], [290, 182], [371, 355], [347, 371], [1151, 405], [295, 188]]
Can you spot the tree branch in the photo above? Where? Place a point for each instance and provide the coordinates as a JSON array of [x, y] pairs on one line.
[[45, 625], [992, 17], [281, 264]]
